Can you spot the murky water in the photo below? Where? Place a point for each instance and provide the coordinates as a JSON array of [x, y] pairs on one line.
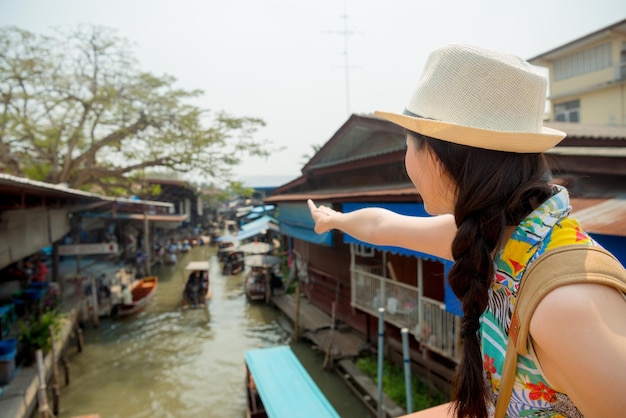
[[166, 362]]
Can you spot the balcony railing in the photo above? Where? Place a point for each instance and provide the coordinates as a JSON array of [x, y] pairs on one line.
[[435, 328]]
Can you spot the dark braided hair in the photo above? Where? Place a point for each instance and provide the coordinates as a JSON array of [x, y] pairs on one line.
[[495, 189]]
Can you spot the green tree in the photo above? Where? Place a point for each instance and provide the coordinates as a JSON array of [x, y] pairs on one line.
[[75, 109]]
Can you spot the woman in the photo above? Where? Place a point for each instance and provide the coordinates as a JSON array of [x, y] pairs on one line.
[[474, 152]]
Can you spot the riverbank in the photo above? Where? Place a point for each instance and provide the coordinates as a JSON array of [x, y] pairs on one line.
[[20, 398]]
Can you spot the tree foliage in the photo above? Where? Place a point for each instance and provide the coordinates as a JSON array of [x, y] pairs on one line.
[[76, 109]]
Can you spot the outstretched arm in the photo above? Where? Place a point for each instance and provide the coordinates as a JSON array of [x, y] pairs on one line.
[[431, 235]]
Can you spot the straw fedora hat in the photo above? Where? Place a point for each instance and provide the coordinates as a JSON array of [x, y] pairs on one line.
[[480, 98]]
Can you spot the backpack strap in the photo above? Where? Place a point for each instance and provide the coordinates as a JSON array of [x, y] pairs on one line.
[[561, 266]]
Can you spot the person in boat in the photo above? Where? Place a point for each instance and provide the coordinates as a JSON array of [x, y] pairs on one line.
[[127, 295], [205, 283], [276, 278], [193, 287]]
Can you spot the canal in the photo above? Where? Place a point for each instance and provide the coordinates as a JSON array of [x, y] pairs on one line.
[[166, 362]]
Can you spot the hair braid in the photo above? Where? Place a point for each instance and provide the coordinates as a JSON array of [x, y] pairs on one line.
[[494, 190]]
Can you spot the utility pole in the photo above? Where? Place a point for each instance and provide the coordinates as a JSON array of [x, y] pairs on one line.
[[345, 33]]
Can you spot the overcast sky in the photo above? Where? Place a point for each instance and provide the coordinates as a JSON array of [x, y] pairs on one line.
[[284, 61]]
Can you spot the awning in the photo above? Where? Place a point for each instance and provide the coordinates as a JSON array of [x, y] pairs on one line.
[[259, 229], [453, 305], [410, 209], [264, 220], [295, 221], [285, 387]]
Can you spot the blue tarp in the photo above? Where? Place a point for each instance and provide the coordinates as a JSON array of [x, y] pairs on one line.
[[453, 304], [295, 221], [261, 209], [264, 220], [250, 232], [285, 387]]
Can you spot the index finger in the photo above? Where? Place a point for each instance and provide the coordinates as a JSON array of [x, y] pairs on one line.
[[311, 205]]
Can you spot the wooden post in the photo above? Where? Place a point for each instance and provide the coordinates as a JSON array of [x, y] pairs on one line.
[[146, 241], [331, 337], [79, 339], [94, 303], [66, 367], [296, 320], [268, 285]]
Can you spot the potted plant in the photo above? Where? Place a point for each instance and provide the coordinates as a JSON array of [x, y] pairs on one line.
[[35, 334]]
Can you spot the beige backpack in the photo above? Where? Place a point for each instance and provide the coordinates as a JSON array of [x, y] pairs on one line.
[[569, 264]]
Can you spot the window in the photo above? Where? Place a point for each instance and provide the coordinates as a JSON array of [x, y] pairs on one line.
[[583, 62], [567, 112]]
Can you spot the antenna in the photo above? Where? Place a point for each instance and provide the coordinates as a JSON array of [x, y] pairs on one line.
[[346, 33]]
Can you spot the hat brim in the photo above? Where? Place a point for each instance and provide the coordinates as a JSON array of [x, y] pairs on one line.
[[520, 142]]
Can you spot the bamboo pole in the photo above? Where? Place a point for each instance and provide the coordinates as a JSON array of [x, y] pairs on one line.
[[41, 393]]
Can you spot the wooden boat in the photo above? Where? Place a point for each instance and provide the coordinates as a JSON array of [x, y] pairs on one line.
[[291, 392], [143, 291], [233, 264], [258, 281], [196, 295]]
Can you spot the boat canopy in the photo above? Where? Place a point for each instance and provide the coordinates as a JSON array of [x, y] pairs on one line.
[[285, 387], [198, 265]]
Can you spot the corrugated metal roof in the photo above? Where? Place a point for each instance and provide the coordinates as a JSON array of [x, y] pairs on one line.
[[40, 186], [612, 152], [585, 40], [338, 194], [601, 216], [138, 216], [584, 130]]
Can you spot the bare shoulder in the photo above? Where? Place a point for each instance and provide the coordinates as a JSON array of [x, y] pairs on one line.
[[585, 303], [579, 336], [577, 298]]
